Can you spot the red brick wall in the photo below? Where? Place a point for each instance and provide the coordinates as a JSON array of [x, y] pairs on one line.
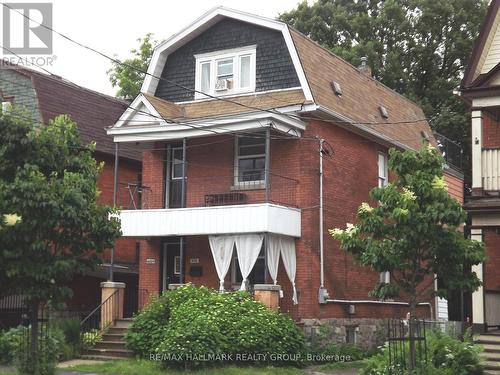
[[491, 130], [492, 245], [349, 175], [128, 172], [149, 271]]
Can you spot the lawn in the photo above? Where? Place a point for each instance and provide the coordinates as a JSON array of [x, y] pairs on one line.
[[133, 367]]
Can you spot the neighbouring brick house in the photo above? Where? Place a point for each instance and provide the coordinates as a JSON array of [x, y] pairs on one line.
[[480, 88], [232, 178], [44, 97]]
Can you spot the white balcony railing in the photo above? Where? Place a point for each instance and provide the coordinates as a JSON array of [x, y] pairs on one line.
[[491, 169]]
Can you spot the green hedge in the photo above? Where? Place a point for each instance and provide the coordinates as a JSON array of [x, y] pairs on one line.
[[192, 326]]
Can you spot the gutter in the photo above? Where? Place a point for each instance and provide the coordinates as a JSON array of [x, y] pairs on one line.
[[374, 302]]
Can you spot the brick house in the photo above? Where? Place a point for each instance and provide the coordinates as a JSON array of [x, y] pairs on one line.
[[44, 97], [244, 123], [480, 88]]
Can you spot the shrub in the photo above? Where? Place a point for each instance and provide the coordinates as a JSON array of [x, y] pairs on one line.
[[446, 356], [197, 323], [9, 343], [70, 329]]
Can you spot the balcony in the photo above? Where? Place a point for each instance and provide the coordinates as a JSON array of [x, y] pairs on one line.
[[213, 205]]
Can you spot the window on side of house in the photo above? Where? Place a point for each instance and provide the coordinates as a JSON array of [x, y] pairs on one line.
[[258, 274], [177, 163], [383, 179], [383, 171], [351, 333], [225, 72], [250, 160]]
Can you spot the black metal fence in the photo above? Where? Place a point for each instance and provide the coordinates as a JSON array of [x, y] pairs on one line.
[[407, 345], [451, 151], [134, 299]]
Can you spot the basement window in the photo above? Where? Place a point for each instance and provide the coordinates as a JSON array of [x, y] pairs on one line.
[[225, 72]]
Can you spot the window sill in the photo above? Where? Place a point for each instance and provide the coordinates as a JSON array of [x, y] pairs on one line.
[[248, 185]]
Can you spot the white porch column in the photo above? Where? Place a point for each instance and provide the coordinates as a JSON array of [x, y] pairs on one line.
[[478, 295], [477, 148]]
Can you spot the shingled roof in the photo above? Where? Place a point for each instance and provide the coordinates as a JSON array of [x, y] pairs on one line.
[[91, 110], [361, 95]]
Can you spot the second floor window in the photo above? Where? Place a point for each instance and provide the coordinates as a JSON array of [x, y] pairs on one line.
[[383, 171], [250, 163], [225, 72]]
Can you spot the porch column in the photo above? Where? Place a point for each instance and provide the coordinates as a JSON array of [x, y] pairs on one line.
[[115, 191], [478, 318], [477, 149], [112, 296]]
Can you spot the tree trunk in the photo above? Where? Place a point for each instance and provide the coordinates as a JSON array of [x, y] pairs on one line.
[[34, 338]]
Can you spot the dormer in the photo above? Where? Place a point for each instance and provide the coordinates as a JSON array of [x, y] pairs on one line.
[[225, 53]]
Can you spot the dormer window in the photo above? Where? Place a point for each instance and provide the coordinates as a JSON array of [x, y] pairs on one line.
[[225, 72]]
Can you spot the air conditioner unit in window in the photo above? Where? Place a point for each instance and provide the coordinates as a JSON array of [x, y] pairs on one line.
[[222, 84]]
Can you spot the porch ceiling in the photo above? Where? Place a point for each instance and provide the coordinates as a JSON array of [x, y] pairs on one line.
[[238, 219]]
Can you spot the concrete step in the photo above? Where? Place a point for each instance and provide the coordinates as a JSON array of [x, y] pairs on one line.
[[110, 345], [492, 365], [116, 353], [492, 372], [490, 347], [122, 323], [488, 338], [100, 357], [116, 331], [113, 337]]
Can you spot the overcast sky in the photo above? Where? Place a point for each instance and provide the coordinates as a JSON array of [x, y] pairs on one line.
[[112, 26]]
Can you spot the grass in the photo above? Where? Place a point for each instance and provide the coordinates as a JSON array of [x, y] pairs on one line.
[[143, 367], [339, 365]]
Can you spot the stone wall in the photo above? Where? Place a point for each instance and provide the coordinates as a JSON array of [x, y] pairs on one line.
[[369, 332]]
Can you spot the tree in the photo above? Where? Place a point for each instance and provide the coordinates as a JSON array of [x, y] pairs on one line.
[[419, 48], [413, 232], [48, 178], [127, 74]]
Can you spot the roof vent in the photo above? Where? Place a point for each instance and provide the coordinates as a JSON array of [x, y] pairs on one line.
[[426, 137], [336, 88], [383, 111]]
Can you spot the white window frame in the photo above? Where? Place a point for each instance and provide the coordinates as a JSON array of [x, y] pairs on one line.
[[254, 184], [383, 177], [212, 57], [177, 265], [172, 167]]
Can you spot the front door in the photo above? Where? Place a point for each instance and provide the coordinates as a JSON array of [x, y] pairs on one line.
[[171, 264]]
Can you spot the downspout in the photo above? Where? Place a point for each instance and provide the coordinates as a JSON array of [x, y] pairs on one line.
[[322, 292], [115, 191]]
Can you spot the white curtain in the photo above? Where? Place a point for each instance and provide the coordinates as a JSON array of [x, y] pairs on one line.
[[222, 252], [273, 256], [248, 247], [289, 261]]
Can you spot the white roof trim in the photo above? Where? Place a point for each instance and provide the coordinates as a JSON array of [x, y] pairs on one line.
[[162, 51], [132, 110], [207, 127]]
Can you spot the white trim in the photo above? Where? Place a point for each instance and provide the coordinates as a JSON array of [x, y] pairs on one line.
[[132, 110], [160, 53], [477, 148], [212, 58], [493, 101], [236, 219]]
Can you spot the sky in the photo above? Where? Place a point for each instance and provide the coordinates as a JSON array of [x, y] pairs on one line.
[[113, 26]]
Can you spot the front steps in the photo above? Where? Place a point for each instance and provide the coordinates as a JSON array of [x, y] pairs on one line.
[[491, 353], [112, 346]]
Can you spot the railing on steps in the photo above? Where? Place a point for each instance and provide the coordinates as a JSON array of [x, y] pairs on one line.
[[103, 315], [134, 301]]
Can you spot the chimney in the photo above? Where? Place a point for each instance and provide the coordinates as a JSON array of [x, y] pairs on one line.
[[364, 67]]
